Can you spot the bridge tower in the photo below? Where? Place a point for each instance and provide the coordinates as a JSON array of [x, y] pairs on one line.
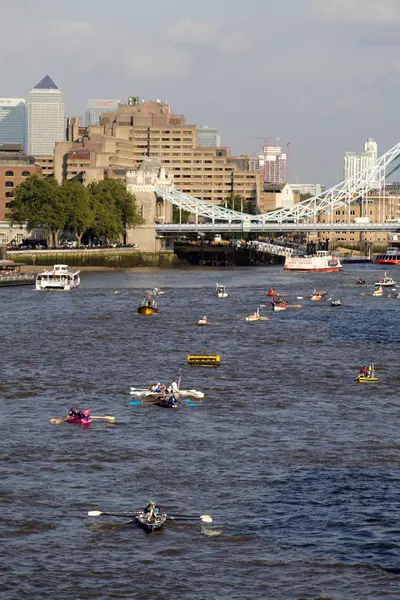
[[154, 209]]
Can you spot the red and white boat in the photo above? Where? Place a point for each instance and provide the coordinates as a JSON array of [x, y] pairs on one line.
[[390, 257], [321, 261]]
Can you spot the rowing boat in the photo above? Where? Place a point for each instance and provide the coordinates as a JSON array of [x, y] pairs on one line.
[[167, 402], [149, 394], [362, 379], [83, 419], [150, 524]]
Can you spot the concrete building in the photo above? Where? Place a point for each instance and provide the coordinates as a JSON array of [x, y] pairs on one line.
[[208, 136], [279, 195], [45, 118], [311, 189], [15, 167], [357, 164], [150, 129], [274, 164], [95, 108], [13, 121]]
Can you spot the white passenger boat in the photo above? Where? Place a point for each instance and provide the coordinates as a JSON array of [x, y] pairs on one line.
[[59, 278], [386, 282], [321, 261], [220, 291]]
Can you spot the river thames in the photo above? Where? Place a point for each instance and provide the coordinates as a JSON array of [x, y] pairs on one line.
[[298, 465]]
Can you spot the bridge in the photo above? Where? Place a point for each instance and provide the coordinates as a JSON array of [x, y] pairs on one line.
[[302, 216], [171, 229]]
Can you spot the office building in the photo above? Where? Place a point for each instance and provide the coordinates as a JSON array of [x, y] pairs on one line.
[[13, 121], [307, 189], [95, 108], [361, 165], [208, 136], [45, 118]]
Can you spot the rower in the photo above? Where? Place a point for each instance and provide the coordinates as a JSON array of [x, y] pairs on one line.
[[363, 371], [174, 387], [151, 511]]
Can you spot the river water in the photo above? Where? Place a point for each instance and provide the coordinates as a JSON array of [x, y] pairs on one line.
[[297, 464]]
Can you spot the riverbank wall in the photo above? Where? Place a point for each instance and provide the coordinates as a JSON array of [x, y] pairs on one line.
[[118, 258]]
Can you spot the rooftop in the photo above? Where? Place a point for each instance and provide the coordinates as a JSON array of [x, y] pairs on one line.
[[46, 84]]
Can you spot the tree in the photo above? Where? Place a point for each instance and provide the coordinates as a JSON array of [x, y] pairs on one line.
[[38, 203], [114, 208], [180, 215], [79, 210]]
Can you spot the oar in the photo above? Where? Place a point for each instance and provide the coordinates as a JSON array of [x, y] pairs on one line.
[[58, 421], [204, 518], [105, 417], [98, 513], [294, 306]]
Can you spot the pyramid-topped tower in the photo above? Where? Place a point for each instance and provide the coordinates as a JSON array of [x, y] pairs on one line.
[[45, 117]]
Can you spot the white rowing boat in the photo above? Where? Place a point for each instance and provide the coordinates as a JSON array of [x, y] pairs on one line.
[[146, 393]]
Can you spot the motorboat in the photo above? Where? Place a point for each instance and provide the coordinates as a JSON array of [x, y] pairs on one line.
[[59, 278], [390, 257], [220, 291], [148, 307], [386, 281]]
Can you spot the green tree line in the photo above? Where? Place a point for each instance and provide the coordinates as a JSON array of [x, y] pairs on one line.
[[102, 209]]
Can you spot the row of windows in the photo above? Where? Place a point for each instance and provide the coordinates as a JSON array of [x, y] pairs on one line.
[[11, 174]]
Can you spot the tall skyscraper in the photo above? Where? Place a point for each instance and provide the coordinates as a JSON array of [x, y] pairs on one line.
[[208, 136], [357, 164], [45, 117], [96, 107], [13, 121], [274, 164]]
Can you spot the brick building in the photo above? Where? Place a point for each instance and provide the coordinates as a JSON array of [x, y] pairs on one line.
[[15, 167]]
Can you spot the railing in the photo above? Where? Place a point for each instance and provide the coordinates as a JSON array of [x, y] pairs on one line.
[[277, 227]]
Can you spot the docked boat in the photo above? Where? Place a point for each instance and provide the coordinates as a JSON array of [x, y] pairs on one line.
[[148, 307], [60, 278], [220, 291], [80, 417], [386, 281], [390, 257], [151, 524], [10, 274], [321, 261], [378, 292]]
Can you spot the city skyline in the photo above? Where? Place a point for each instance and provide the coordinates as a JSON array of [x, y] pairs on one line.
[[201, 60]]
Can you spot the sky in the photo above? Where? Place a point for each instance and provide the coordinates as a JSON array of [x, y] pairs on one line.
[[323, 75]]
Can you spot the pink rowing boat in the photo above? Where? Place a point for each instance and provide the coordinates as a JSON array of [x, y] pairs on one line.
[[81, 417]]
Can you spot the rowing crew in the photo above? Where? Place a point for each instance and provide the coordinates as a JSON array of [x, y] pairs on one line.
[[173, 388]]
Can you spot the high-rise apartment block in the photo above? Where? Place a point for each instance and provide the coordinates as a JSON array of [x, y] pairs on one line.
[[13, 121], [96, 108], [45, 117], [208, 136], [274, 164], [361, 165]]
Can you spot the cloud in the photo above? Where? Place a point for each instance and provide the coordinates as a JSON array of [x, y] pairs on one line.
[[362, 12], [193, 32]]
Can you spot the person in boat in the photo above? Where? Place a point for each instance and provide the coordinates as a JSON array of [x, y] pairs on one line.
[[369, 373], [151, 511], [174, 387], [149, 301], [363, 371], [74, 413]]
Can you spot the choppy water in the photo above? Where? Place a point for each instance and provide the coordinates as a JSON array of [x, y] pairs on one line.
[[297, 464]]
